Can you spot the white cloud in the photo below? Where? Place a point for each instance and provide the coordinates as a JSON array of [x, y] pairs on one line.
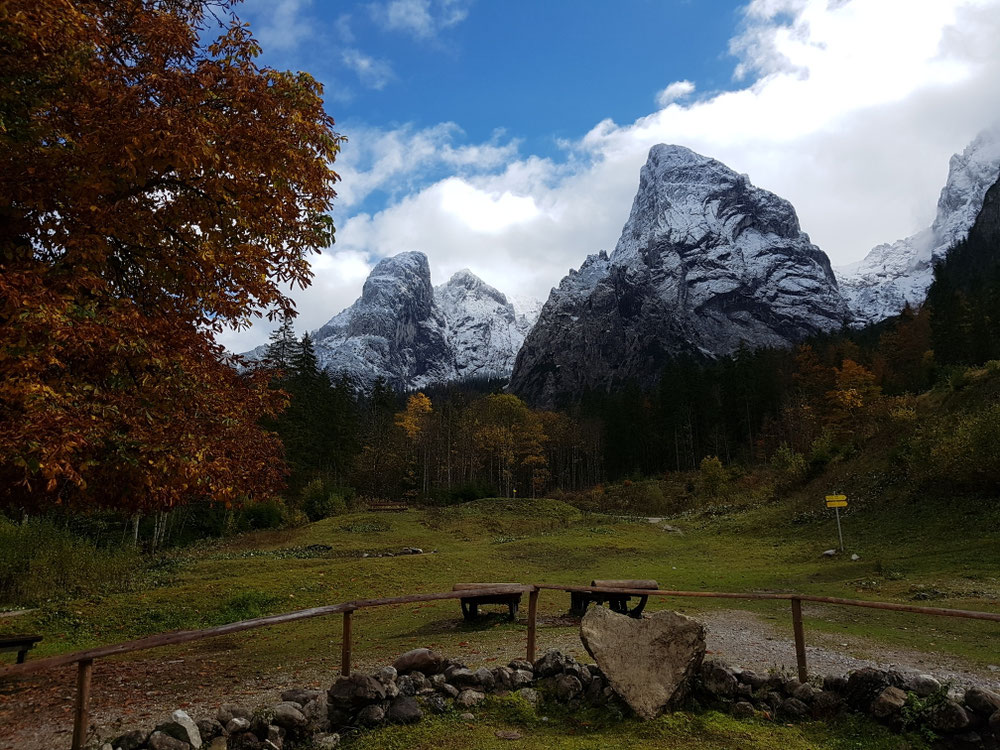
[[280, 25], [673, 92], [851, 111], [401, 160], [372, 72], [421, 19]]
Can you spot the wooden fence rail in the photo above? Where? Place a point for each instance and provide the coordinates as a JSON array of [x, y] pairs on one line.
[[85, 659]]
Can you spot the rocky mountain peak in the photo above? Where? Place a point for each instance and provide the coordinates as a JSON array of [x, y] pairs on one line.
[[706, 263], [464, 283]]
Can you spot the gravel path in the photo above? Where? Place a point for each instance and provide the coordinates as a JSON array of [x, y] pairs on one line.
[[35, 713], [742, 638]]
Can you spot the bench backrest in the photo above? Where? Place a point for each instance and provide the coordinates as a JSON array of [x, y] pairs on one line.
[[639, 584], [472, 586]]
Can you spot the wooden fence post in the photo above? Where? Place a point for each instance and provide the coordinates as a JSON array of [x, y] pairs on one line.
[[532, 620], [800, 640], [345, 647], [81, 717]]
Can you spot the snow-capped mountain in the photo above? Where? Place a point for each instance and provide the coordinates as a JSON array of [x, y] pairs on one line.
[[706, 263], [483, 328], [894, 275], [412, 334]]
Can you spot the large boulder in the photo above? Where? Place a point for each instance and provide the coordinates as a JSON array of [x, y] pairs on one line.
[[648, 662], [404, 710], [419, 660], [983, 702], [356, 691], [182, 727]]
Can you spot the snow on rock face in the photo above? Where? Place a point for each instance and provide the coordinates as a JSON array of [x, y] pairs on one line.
[[894, 275], [706, 263], [394, 330], [484, 329], [412, 334]]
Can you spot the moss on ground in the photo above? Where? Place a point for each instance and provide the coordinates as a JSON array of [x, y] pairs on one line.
[[596, 730]]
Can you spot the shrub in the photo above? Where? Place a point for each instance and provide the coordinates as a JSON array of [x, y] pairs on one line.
[[40, 559], [463, 493], [963, 449], [266, 514], [712, 475], [319, 502], [789, 464]]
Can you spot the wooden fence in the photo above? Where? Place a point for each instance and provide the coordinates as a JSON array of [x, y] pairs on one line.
[[85, 659]]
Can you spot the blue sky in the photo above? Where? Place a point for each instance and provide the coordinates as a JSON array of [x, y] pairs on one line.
[[542, 70], [507, 137]]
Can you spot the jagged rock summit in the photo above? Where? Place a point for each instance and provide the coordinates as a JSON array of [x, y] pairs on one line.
[[893, 275], [412, 334], [706, 263]]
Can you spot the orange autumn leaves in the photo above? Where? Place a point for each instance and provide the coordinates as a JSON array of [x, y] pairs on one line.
[[152, 191]]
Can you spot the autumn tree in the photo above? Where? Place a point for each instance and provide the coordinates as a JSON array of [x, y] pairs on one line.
[[156, 185], [414, 421]]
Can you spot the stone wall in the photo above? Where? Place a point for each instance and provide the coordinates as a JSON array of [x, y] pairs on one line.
[[423, 682]]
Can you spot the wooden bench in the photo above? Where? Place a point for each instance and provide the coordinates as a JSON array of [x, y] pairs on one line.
[[470, 604], [580, 600], [22, 644], [391, 506]]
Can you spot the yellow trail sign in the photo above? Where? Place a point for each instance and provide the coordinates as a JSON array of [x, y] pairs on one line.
[[836, 501]]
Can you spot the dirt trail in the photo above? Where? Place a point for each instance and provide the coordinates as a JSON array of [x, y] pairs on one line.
[[36, 713]]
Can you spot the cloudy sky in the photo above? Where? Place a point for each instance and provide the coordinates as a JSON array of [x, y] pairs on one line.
[[507, 137]]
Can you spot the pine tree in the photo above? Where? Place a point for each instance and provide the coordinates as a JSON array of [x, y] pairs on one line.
[[282, 345]]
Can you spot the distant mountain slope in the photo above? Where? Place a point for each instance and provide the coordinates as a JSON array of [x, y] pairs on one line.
[[412, 334], [706, 263], [894, 275]]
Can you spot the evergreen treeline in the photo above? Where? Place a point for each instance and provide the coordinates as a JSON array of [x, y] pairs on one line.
[[965, 296], [320, 426]]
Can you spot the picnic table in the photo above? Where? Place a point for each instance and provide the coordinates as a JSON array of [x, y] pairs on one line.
[[470, 603], [19, 643], [580, 600]]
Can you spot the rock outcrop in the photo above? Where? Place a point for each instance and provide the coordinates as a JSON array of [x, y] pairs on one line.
[[706, 263], [649, 662]]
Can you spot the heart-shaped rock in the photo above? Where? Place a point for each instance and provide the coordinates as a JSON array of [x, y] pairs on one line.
[[648, 662]]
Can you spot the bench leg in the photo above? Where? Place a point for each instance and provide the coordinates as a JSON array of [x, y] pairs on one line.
[[637, 610], [470, 610], [512, 606], [21, 655], [578, 604], [618, 604]]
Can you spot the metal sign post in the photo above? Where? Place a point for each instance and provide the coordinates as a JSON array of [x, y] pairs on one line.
[[837, 502]]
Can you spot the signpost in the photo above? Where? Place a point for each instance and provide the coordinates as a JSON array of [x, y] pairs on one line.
[[837, 502]]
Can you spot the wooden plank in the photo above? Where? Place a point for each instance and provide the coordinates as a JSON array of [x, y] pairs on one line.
[[81, 714], [937, 611], [471, 586], [532, 623], [800, 640], [633, 584]]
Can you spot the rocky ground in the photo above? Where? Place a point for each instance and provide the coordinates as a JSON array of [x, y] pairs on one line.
[[35, 714]]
